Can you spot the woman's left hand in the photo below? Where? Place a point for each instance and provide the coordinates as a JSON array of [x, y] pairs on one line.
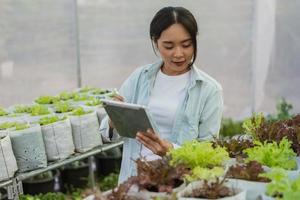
[[153, 142]]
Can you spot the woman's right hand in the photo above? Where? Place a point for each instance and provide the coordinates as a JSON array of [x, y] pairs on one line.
[[116, 97]]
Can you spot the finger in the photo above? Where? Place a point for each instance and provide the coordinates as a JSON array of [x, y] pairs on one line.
[[150, 133], [117, 97], [148, 142]]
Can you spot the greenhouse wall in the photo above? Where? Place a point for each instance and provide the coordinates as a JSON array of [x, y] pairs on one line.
[[251, 47]]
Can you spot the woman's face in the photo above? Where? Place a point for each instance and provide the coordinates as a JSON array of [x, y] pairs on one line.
[[176, 49]]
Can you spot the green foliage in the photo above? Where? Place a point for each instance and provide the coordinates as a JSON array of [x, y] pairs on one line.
[[37, 110], [3, 112], [251, 124], [47, 99], [109, 182], [21, 126], [273, 154], [49, 120], [199, 154], [230, 128], [47, 196], [80, 111], [94, 102], [99, 91], [66, 95], [14, 125], [22, 109], [63, 107], [82, 97], [204, 160], [283, 111], [201, 173], [86, 89], [281, 186]]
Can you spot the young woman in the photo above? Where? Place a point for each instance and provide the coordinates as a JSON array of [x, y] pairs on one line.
[[185, 102]]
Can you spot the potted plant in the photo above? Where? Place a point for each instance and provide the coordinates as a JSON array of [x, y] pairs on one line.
[[64, 96], [211, 189], [57, 135], [28, 156], [8, 164], [96, 105], [36, 112], [63, 107], [3, 112], [281, 186], [85, 128], [274, 155], [247, 176], [47, 100], [41, 184]]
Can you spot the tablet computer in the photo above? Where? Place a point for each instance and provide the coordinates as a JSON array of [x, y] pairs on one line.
[[129, 118]]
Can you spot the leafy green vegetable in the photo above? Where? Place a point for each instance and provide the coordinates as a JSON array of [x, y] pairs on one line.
[[49, 120], [199, 154], [3, 112], [82, 97], [47, 99], [109, 182], [86, 89], [98, 91], [94, 102], [66, 95], [80, 111], [47, 196], [201, 173], [281, 186], [283, 109], [63, 107], [37, 110], [22, 109], [204, 160], [250, 125], [7, 125], [273, 154], [21, 126]]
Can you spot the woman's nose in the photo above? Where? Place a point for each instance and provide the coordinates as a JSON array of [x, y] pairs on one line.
[[178, 52]]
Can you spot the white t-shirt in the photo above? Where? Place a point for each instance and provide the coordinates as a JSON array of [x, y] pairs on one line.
[[167, 94]]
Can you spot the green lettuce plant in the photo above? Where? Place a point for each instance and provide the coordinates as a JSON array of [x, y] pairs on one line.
[[22, 109], [63, 107], [251, 124], [86, 89], [94, 102], [37, 110], [281, 187], [14, 125], [204, 160], [47, 99], [80, 111], [3, 112], [99, 91], [82, 97], [49, 120], [66, 95], [273, 154]]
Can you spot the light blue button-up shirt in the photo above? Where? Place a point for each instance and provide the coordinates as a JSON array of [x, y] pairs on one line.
[[199, 117]]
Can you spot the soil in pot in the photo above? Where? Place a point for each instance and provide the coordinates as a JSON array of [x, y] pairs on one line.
[[41, 184], [109, 161]]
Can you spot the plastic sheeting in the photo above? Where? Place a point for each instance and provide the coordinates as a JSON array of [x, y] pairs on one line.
[[251, 47]]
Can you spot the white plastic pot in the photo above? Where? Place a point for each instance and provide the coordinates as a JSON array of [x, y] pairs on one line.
[[240, 195], [85, 130], [58, 140], [8, 164]]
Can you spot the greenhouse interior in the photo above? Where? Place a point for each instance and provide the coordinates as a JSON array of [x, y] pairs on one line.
[[85, 116]]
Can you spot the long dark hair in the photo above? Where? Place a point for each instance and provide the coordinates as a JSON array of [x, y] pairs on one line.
[[168, 16]]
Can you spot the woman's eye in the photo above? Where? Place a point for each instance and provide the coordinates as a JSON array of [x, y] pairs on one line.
[[168, 47], [186, 45]]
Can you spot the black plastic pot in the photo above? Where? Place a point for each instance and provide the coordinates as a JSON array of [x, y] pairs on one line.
[[75, 176], [36, 185], [109, 161]]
